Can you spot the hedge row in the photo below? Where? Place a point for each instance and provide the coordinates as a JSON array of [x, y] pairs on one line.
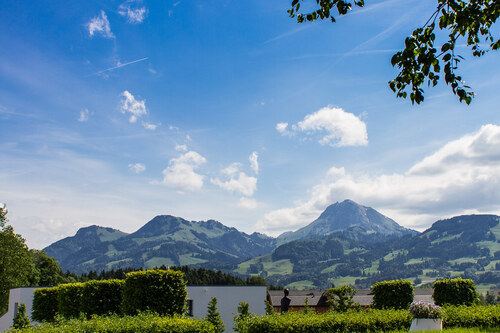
[[472, 316], [160, 291], [143, 322], [455, 292], [396, 294], [363, 321]]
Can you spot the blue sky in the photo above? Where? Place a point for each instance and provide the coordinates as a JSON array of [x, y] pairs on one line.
[[112, 112]]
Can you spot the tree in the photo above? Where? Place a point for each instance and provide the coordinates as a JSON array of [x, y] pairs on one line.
[[341, 298], [21, 320], [213, 315], [420, 61], [16, 265], [47, 272]]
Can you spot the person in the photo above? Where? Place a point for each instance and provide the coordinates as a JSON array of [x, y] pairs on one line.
[[285, 301]]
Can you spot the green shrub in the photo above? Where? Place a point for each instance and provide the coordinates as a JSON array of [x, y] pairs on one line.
[[44, 304], [213, 316], [341, 298], [21, 320], [455, 292], [472, 316], [291, 322], [102, 297], [144, 322], [69, 299], [396, 294], [160, 291]]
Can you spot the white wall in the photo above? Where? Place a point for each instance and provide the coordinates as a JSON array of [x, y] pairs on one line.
[[228, 298], [17, 295]]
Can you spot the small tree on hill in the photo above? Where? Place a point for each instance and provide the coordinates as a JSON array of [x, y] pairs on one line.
[[213, 316]]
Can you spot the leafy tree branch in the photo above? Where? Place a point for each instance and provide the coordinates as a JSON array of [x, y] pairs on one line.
[[420, 61]]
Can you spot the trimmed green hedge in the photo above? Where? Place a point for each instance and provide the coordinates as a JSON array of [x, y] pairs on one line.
[[144, 322], [160, 291], [396, 294], [69, 299], [455, 292], [291, 322], [472, 316], [102, 297], [44, 304]]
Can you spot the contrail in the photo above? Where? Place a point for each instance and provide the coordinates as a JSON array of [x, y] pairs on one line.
[[120, 65]]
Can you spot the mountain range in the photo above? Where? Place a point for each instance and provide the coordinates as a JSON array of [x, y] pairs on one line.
[[347, 244]]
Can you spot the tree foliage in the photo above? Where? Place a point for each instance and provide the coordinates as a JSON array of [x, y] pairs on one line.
[[423, 59], [341, 298], [21, 320], [213, 316], [16, 265]]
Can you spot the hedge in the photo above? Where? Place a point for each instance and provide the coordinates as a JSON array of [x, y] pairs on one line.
[[44, 304], [455, 292], [160, 291], [144, 322], [472, 316], [396, 294], [102, 297], [291, 322], [69, 299]]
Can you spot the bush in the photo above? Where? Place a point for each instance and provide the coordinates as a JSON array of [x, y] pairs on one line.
[[44, 304], [144, 322], [455, 292], [392, 294], [69, 299], [160, 291], [471, 316], [341, 298], [291, 322], [213, 316], [21, 320], [102, 297]]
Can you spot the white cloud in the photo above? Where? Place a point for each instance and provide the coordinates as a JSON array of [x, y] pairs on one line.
[[282, 128], [182, 148], [254, 163], [463, 176], [84, 115], [150, 126], [137, 167], [336, 127], [133, 15], [247, 203], [136, 108], [180, 173], [100, 25], [238, 181]]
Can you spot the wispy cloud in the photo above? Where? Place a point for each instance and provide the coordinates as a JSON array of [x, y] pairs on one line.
[[135, 107], [100, 25], [133, 15], [288, 33], [84, 115], [236, 181], [120, 65], [137, 167]]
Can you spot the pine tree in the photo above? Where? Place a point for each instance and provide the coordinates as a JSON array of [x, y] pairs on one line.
[[21, 320], [213, 316]]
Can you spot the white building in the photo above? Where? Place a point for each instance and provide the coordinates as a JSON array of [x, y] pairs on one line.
[[228, 299], [16, 297]]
